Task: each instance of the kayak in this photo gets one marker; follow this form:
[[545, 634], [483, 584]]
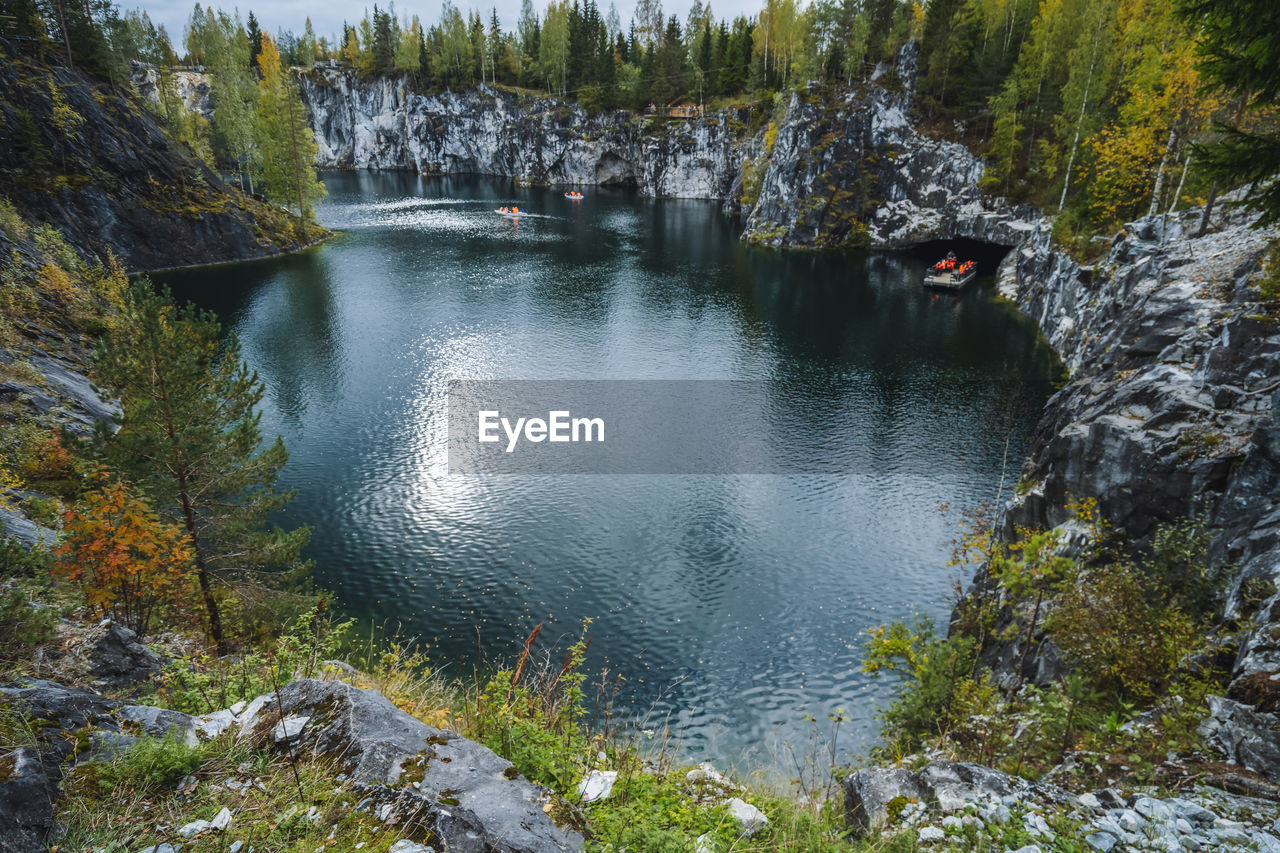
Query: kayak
[[507, 214], [573, 197]]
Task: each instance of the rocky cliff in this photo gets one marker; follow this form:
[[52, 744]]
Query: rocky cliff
[[836, 170], [381, 123], [90, 161], [853, 170], [1171, 410]]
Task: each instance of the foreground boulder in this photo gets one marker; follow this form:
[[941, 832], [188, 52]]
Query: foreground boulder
[[26, 803], [452, 792], [874, 797], [456, 791], [59, 711], [1245, 735], [117, 658]]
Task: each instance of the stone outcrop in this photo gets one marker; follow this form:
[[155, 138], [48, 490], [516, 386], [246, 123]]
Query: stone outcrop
[[117, 658], [1170, 410], [874, 797], [43, 370], [454, 789], [192, 87], [853, 170], [26, 803], [380, 123], [424, 780], [108, 177], [1172, 379], [961, 803]]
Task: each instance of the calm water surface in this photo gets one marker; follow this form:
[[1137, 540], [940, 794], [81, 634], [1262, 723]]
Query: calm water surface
[[730, 606]]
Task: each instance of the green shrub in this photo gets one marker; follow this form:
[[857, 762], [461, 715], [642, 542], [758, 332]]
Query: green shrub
[[49, 240], [1178, 568], [17, 561], [532, 715], [206, 683], [1269, 278], [42, 510], [151, 765], [941, 688], [24, 626], [1108, 627], [11, 221], [753, 172]]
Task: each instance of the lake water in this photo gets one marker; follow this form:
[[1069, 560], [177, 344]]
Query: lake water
[[730, 605]]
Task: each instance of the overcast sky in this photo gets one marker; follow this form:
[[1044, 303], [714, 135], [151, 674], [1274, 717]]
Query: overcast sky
[[327, 16]]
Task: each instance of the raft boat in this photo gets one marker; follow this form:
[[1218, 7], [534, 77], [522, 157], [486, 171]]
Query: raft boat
[[951, 274]]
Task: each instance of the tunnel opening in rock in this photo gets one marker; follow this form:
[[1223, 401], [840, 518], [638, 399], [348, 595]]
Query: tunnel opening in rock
[[988, 255], [615, 171]]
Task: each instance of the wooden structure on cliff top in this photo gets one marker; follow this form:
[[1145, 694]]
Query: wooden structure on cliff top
[[684, 108]]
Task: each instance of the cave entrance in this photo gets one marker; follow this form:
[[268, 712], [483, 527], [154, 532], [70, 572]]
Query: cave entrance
[[988, 255], [615, 171]]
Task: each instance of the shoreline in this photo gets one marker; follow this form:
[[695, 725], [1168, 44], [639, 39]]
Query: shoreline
[[330, 235]]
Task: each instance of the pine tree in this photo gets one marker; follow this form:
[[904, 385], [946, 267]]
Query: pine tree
[[528, 31], [234, 95], [255, 40], [425, 70], [190, 439], [384, 57], [350, 47], [475, 35], [285, 138], [1239, 53]]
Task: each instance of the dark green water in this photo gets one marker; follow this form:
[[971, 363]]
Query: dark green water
[[731, 605]]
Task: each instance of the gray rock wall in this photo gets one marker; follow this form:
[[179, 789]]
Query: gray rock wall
[[854, 170], [843, 171], [1171, 409], [380, 123]]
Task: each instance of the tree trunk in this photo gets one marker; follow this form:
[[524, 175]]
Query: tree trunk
[[1177, 194], [297, 163], [1208, 209], [1164, 161], [202, 571], [62, 25], [1084, 103], [189, 519]]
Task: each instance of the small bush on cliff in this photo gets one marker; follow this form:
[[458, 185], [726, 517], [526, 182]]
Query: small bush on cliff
[[1178, 568], [24, 626], [1268, 282], [151, 765], [1128, 626], [1107, 626], [131, 565], [11, 222], [752, 180], [770, 137], [942, 684]]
